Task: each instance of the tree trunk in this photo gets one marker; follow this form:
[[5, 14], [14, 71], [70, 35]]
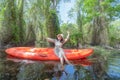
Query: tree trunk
[[96, 32], [80, 24], [9, 22], [20, 21], [100, 32], [80, 40], [52, 24]]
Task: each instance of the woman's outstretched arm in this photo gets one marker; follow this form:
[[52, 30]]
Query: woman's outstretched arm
[[50, 40], [66, 39]]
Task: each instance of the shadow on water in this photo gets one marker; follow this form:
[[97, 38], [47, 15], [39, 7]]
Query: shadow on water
[[96, 67]]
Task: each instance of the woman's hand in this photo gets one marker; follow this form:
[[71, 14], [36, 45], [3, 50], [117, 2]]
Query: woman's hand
[[66, 39]]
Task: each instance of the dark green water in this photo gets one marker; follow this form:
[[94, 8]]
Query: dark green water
[[94, 68]]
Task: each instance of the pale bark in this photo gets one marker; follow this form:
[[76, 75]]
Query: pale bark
[[100, 32]]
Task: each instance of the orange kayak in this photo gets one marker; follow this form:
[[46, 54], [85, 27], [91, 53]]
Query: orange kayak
[[82, 62], [47, 53]]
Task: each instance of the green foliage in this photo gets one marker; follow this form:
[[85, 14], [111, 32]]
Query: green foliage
[[39, 18], [53, 23], [105, 53], [89, 9], [114, 32], [75, 35], [101, 51]]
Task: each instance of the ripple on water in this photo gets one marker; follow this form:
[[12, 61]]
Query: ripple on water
[[114, 68]]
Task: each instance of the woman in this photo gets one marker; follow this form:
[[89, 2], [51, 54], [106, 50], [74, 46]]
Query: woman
[[58, 46]]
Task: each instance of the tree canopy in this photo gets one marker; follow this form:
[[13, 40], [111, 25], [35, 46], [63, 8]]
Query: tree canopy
[[24, 21]]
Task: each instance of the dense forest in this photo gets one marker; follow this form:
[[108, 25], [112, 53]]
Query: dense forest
[[28, 22]]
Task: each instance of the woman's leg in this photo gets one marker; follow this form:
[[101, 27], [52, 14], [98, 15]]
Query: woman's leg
[[63, 56], [61, 60], [68, 62], [62, 63]]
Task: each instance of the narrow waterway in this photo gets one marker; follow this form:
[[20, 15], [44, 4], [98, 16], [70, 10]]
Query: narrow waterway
[[94, 68]]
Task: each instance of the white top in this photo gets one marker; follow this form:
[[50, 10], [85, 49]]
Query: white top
[[58, 50]]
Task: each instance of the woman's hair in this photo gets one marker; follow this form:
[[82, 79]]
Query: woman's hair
[[62, 39]]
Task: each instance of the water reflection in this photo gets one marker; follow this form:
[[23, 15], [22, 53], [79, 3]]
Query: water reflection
[[95, 68], [52, 69]]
